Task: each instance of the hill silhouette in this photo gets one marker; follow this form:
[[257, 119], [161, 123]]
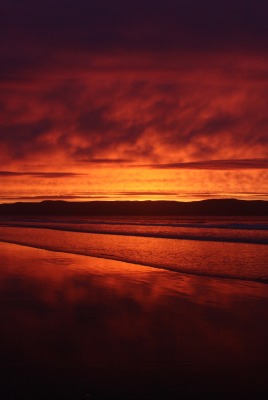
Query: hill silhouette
[[220, 207]]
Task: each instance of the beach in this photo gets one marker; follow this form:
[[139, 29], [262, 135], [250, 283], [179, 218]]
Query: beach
[[78, 327]]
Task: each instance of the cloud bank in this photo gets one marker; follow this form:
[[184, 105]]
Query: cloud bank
[[113, 84]]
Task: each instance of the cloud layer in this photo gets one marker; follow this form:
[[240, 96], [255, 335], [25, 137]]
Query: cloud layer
[[88, 85]]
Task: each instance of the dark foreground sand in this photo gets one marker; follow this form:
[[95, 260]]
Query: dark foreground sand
[[77, 327]]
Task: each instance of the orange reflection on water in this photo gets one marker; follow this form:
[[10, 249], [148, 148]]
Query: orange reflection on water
[[211, 258], [101, 324]]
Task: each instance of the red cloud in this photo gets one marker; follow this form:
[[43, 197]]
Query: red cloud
[[115, 84]]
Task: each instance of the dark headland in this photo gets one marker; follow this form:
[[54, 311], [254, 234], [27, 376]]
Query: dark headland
[[219, 207]]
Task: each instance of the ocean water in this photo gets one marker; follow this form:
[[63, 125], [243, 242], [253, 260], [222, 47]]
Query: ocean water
[[183, 313], [234, 248]]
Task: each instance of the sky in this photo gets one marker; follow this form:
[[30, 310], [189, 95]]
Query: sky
[[113, 99]]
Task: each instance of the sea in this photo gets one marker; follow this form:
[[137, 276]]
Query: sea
[[222, 247], [133, 307]]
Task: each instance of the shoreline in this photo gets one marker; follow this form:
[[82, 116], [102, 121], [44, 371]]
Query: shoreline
[[192, 257], [136, 264], [113, 261]]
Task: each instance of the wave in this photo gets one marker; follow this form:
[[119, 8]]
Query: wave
[[230, 232], [214, 259], [190, 222], [262, 280]]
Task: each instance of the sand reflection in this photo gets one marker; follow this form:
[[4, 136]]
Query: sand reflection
[[81, 325]]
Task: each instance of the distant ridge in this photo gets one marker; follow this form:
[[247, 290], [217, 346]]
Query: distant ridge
[[221, 207]]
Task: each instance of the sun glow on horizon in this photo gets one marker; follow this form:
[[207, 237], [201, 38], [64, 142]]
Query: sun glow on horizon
[[130, 183]]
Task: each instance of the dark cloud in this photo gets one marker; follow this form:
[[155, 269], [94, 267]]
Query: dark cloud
[[26, 136], [52, 197], [153, 121], [91, 82], [106, 161], [217, 164], [8, 174], [149, 193], [142, 25]]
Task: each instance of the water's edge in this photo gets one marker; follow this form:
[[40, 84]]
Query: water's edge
[[23, 241]]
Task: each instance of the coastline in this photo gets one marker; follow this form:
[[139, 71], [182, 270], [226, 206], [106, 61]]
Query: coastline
[[202, 258], [94, 327]]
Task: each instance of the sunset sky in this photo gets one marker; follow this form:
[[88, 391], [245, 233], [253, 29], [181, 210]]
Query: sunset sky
[[109, 99]]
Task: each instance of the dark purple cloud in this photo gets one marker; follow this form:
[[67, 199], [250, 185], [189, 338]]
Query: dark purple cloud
[[8, 174], [134, 120], [103, 25], [217, 164], [105, 161]]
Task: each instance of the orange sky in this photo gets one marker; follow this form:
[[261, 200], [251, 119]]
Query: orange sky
[[133, 104]]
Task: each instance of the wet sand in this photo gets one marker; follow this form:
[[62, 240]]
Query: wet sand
[[78, 327]]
